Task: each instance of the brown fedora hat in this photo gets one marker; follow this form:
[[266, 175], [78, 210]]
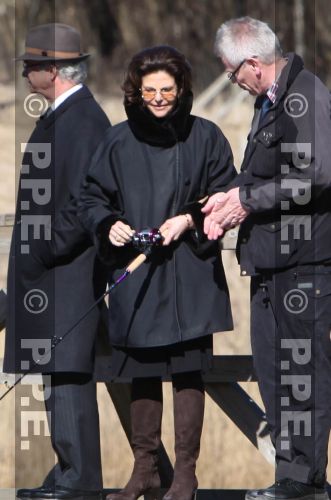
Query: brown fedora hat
[[52, 42]]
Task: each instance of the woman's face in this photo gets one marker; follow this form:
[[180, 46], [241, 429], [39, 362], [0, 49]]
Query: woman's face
[[159, 92]]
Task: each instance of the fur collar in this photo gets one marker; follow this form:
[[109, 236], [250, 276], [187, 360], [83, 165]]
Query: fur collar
[[164, 132]]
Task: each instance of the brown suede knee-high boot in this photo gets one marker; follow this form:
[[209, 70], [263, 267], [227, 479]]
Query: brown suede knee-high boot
[[189, 403], [146, 417]]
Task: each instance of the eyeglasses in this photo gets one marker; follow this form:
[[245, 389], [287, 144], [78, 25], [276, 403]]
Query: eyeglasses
[[167, 93], [232, 74]]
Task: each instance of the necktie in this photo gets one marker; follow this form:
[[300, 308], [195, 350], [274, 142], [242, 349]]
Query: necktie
[[266, 104], [47, 113]]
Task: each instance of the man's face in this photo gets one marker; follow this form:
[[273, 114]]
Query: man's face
[[40, 77], [247, 75]]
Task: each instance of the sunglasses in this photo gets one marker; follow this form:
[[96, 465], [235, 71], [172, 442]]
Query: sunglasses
[[34, 66], [167, 93], [37, 64]]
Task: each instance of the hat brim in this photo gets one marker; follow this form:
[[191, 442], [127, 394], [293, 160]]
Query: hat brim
[[33, 57]]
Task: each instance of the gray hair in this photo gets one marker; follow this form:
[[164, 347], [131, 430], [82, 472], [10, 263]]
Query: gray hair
[[245, 37], [73, 72]]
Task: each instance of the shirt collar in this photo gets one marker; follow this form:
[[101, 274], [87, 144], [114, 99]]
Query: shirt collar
[[272, 91], [59, 100]]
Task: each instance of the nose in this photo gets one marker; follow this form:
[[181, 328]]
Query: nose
[[158, 96]]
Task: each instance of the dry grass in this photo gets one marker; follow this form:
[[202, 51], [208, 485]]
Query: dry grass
[[227, 459]]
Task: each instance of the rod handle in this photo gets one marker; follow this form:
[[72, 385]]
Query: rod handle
[[136, 263]]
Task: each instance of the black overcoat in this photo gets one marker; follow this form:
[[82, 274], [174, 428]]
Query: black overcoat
[[53, 273], [181, 292]]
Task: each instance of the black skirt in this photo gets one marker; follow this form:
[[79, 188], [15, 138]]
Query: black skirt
[[192, 355]]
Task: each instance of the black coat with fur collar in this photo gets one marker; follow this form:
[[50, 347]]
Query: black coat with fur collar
[[145, 171]]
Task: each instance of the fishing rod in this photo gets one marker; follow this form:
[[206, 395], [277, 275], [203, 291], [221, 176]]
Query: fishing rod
[[144, 241]]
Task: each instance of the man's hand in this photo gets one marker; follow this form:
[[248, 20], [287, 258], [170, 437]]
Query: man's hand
[[223, 211]]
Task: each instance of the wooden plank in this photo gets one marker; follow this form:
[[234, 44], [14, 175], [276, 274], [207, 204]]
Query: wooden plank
[[201, 494], [221, 494], [226, 369], [245, 413], [4, 246], [3, 309], [229, 241], [9, 494], [7, 220], [234, 368]]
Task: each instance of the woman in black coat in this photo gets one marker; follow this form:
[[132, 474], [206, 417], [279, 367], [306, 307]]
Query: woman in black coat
[[150, 172]]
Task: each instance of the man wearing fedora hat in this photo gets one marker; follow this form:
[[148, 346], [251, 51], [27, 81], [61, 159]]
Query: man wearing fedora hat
[[53, 260]]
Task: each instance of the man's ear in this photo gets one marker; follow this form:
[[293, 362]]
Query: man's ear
[[53, 71], [255, 65]]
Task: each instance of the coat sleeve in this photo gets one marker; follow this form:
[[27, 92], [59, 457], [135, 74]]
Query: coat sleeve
[[100, 206], [220, 174]]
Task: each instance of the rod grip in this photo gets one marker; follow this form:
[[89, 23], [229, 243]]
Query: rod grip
[[136, 263]]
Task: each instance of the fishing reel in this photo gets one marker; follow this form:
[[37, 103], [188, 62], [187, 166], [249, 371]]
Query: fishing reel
[[146, 239]]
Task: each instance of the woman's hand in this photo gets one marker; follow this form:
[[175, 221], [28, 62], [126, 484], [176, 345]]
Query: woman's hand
[[173, 228], [120, 234]]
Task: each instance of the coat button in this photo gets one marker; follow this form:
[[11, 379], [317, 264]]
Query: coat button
[[243, 273], [272, 226], [318, 292], [244, 240]]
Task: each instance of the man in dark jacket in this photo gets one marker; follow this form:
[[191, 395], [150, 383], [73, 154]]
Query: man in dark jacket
[[282, 199], [54, 275]]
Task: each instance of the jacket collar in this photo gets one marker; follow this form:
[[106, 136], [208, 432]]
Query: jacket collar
[[288, 75], [164, 132], [47, 121], [286, 79]]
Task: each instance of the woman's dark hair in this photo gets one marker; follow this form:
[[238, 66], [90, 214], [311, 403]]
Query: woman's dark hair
[[150, 60]]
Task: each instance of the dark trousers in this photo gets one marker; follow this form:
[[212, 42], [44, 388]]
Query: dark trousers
[[74, 427], [291, 345]]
